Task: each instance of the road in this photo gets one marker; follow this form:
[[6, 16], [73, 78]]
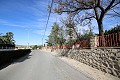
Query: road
[[40, 65]]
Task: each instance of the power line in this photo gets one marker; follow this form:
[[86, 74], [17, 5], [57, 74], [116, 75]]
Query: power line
[[47, 20]]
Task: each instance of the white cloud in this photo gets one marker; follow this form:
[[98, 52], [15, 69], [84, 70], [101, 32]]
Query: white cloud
[[41, 32], [5, 22]]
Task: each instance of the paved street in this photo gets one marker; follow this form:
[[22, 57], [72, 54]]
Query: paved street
[[41, 65]]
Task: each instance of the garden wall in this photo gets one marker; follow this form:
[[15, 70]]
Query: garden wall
[[103, 59], [8, 56]]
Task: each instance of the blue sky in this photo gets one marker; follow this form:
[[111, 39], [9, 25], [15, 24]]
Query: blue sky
[[21, 16]]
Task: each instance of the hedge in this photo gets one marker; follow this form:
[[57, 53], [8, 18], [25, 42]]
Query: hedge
[[8, 56]]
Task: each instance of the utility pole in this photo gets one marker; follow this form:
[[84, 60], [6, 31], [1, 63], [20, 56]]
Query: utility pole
[[28, 36], [47, 21]]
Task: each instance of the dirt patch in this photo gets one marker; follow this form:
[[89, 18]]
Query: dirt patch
[[94, 73]]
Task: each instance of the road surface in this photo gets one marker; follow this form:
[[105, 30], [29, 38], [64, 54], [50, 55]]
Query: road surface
[[41, 65]]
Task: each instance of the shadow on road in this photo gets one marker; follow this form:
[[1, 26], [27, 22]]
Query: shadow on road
[[4, 66], [16, 61], [22, 59]]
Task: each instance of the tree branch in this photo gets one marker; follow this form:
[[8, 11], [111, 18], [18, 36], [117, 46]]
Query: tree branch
[[109, 6], [96, 13], [77, 9], [115, 4]]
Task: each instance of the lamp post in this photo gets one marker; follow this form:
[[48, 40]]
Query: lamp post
[[28, 36]]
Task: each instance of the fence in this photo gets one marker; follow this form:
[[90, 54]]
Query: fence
[[110, 40], [78, 44], [7, 46], [83, 44]]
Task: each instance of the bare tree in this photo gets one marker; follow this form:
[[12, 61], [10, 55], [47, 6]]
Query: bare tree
[[92, 9], [70, 26]]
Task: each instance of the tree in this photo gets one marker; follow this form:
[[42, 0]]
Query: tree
[[116, 29], [37, 47], [1, 41], [53, 37], [56, 36], [61, 36], [92, 9], [86, 33], [7, 38], [71, 26]]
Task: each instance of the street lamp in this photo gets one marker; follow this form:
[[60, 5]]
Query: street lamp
[[28, 36]]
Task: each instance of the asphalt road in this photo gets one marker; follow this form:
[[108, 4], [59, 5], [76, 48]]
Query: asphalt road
[[41, 65]]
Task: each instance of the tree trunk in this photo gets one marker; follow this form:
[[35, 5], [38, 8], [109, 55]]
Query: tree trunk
[[76, 33], [100, 27], [101, 33]]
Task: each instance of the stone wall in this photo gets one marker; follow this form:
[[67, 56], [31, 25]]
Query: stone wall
[[62, 52], [106, 60]]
